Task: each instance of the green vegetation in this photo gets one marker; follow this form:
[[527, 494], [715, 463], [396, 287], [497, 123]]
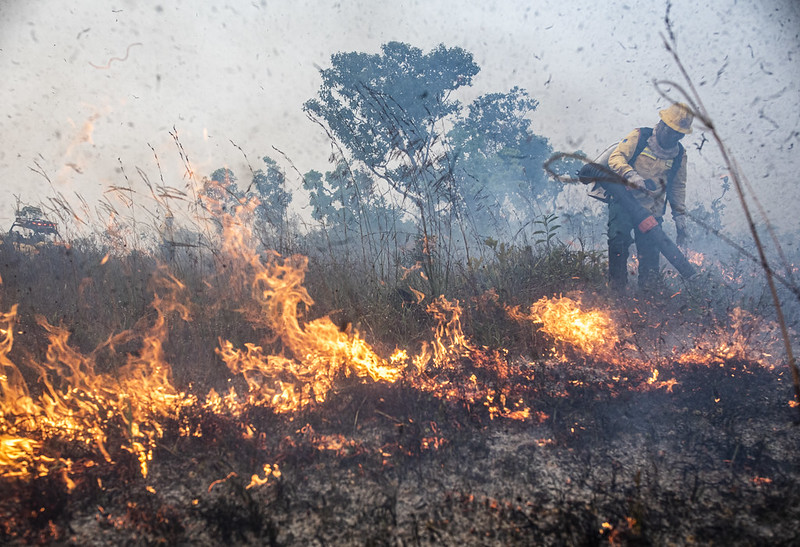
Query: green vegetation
[[96, 292]]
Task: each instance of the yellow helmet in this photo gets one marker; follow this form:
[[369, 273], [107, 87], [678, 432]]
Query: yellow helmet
[[679, 117]]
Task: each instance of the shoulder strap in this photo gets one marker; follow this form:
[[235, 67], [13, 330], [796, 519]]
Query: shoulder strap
[[641, 144], [676, 164]]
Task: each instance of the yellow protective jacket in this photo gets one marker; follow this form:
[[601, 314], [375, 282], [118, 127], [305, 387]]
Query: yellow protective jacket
[[650, 166]]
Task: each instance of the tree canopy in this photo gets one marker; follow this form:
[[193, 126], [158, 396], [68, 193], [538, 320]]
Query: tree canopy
[[498, 159], [395, 113], [390, 104]]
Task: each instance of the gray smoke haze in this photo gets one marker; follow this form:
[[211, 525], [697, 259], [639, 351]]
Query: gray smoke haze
[[89, 86]]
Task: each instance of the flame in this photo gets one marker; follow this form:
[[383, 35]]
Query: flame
[[17, 455], [449, 341], [592, 333], [269, 471], [315, 352], [318, 350], [734, 341], [447, 366], [17, 409], [80, 404]]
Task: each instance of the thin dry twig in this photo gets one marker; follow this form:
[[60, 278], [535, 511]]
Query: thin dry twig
[[700, 112]]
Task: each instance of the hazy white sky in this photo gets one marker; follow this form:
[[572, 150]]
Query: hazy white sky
[[89, 85]]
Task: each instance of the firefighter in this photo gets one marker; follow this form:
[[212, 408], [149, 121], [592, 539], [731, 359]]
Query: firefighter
[[655, 172]]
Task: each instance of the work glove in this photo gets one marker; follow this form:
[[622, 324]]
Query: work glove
[[635, 180], [682, 235]]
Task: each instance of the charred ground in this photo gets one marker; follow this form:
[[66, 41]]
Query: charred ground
[[712, 462]]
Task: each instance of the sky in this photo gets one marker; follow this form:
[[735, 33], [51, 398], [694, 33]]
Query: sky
[[92, 89]]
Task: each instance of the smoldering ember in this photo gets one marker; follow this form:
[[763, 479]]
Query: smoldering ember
[[422, 360]]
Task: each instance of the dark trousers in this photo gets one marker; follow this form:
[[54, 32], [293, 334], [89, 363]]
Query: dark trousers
[[620, 227]]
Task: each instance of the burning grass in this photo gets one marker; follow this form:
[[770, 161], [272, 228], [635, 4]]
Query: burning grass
[[229, 412]]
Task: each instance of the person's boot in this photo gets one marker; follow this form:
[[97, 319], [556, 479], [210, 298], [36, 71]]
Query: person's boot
[[650, 279], [617, 270]]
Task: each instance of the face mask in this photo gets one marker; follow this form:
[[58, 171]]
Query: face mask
[[666, 136]]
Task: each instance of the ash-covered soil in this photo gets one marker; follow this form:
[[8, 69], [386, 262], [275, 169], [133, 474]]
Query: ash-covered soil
[[715, 461]]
